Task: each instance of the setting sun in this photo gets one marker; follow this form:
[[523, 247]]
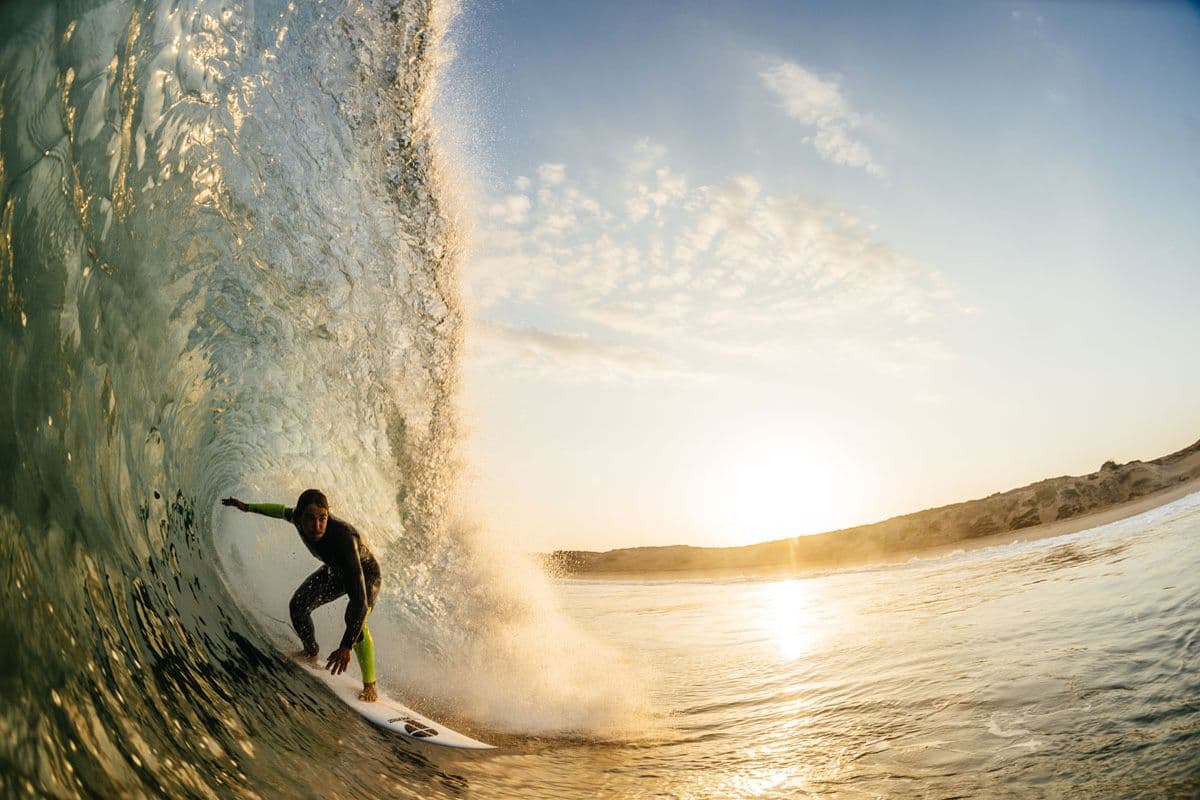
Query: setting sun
[[782, 492]]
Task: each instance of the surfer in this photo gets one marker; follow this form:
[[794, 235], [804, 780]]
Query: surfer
[[349, 568]]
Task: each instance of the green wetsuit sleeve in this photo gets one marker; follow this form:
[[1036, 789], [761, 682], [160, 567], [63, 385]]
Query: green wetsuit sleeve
[[276, 510]]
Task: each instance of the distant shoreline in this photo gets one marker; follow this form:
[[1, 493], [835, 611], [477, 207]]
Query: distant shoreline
[[1064, 527], [1046, 509]]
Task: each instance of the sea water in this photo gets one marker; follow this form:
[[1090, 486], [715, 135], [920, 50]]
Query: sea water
[[1062, 667], [1065, 667], [228, 258]]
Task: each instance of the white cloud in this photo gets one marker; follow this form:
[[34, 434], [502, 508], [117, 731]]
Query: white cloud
[[805, 96], [574, 356], [650, 200], [512, 209], [819, 103], [728, 269], [646, 156], [552, 174], [834, 145]]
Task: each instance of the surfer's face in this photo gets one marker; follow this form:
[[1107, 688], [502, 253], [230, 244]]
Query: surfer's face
[[313, 520]]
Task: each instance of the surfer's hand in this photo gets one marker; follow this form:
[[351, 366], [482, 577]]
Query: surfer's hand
[[238, 504], [338, 660]]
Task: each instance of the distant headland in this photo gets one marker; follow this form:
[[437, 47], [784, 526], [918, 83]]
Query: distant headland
[[1050, 507]]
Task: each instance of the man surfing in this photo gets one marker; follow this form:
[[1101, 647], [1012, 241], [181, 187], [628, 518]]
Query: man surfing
[[348, 568]]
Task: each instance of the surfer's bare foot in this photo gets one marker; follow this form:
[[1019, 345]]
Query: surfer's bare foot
[[367, 695], [300, 655]]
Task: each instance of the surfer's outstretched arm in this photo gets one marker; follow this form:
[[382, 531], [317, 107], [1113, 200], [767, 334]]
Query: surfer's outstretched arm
[[275, 510]]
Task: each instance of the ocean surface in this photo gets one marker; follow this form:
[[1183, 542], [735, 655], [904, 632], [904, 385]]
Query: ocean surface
[[229, 245]]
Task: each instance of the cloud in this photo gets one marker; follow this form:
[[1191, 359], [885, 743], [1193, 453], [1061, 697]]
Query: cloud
[[576, 355], [512, 209], [651, 184], [834, 145], [645, 157], [649, 200], [1036, 22], [552, 174], [720, 271], [805, 96], [819, 103]]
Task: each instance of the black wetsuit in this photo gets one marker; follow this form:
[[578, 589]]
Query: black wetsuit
[[348, 568]]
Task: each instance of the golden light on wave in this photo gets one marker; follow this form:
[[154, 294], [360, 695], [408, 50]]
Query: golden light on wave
[[782, 492], [792, 617]]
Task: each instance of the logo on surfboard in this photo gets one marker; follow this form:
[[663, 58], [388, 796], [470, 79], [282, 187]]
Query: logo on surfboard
[[414, 728]]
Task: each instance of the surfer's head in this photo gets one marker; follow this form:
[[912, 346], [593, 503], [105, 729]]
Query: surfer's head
[[312, 513]]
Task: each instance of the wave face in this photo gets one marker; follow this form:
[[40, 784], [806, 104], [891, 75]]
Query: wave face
[[226, 265]]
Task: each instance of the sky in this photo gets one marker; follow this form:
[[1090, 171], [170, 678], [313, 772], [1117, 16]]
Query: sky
[[741, 271]]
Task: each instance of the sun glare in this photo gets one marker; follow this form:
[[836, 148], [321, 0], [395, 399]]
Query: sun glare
[[782, 492], [791, 617]]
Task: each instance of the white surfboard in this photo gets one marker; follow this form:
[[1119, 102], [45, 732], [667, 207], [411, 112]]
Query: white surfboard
[[395, 716]]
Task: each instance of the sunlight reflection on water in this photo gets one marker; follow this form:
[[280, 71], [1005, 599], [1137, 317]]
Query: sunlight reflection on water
[[1004, 672], [793, 616]]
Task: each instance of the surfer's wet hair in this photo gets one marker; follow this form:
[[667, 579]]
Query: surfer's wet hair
[[311, 497]]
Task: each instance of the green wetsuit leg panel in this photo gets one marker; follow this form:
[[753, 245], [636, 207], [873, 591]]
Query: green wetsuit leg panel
[[364, 651], [364, 646]]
